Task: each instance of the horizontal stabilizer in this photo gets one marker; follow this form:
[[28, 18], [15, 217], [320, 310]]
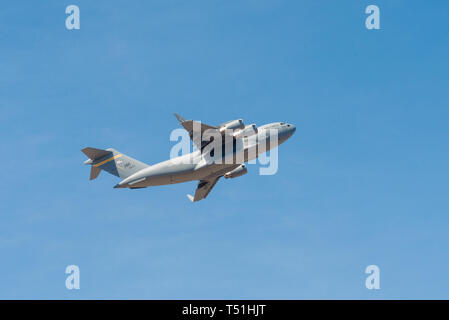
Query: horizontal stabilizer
[[94, 172], [93, 153]]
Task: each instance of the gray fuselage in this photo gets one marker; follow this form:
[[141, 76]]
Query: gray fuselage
[[199, 165]]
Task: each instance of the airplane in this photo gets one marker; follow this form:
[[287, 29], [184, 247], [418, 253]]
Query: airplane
[[199, 165]]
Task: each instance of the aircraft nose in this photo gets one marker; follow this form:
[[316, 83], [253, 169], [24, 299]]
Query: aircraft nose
[[293, 128]]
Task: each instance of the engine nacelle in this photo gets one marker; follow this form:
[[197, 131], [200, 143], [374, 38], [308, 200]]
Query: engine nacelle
[[233, 125], [249, 130], [237, 172]]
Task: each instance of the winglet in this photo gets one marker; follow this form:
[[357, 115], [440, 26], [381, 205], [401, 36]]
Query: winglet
[[190, 197], [180, 119]]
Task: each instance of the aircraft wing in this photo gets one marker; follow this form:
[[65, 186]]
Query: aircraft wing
[[189, 125], [203, 189]]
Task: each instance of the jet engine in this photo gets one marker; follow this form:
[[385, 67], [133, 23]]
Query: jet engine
[[232, 125], [249, 130], [237, 172]]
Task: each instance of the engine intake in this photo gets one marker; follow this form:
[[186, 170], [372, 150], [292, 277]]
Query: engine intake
[[247, 131], [237, 172], [233, 125]]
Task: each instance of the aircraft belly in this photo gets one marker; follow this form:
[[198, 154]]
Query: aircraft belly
[[216, 170], [159, 180], [172, 174], [204, 171]]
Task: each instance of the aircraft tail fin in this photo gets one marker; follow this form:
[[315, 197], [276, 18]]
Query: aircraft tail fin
[[111, 161]]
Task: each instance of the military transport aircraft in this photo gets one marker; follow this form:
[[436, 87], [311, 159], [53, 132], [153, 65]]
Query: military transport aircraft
[[213, 158]]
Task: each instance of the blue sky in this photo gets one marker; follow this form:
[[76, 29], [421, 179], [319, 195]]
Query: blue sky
[[363, 180]]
